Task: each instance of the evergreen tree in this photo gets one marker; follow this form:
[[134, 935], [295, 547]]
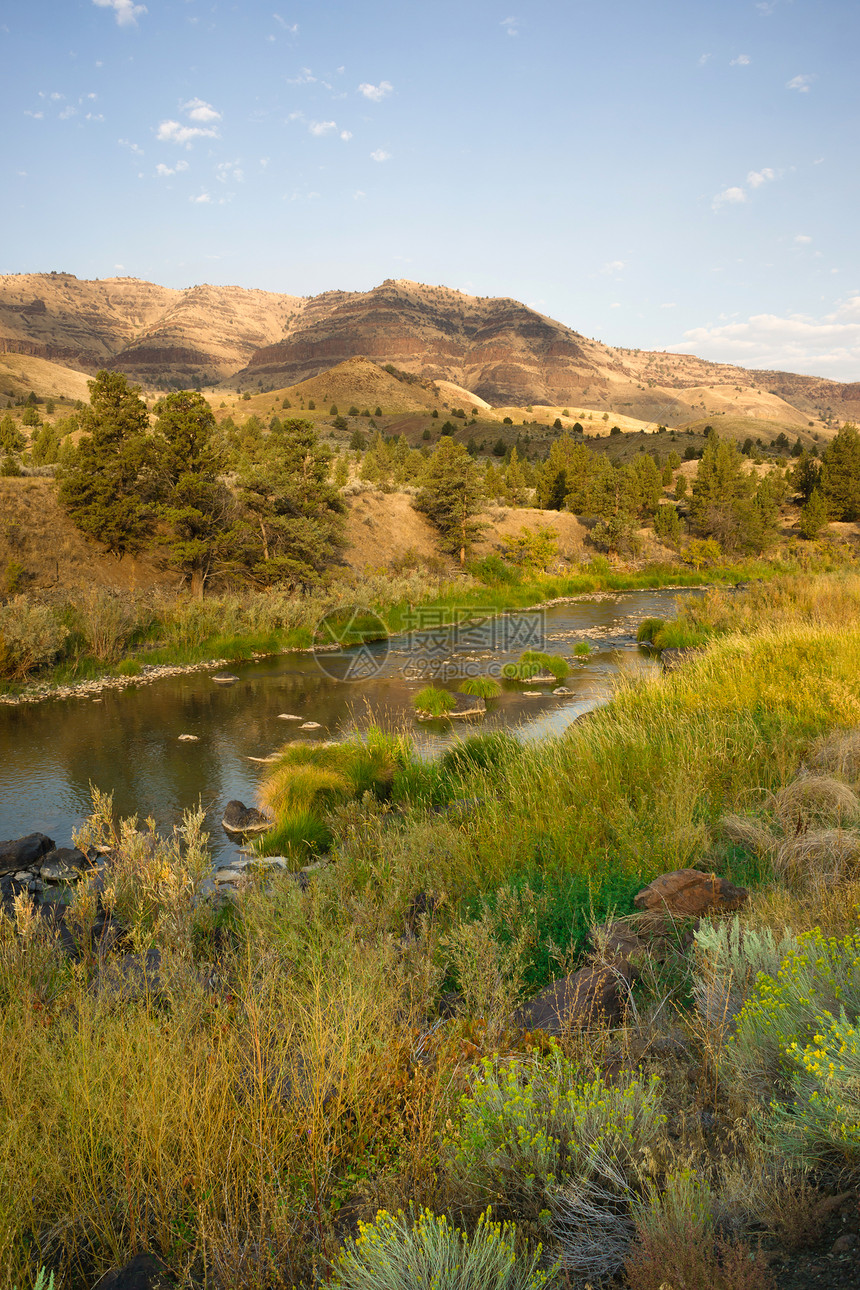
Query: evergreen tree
[[11, 438], [813, 517], [292, 527], [450, 496], [105, 489], [804, 476], [667, 525], [196, 505], [840, 475]]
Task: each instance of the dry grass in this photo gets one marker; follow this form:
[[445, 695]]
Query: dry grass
[[819, 857], [814, 800], [839, 754]]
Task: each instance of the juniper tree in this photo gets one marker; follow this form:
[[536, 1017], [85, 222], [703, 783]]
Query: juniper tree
[[450, 497], [105, 488], [840, 475], [191, 498]]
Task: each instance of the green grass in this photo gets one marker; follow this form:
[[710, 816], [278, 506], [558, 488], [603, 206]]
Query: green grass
[[434, 701]]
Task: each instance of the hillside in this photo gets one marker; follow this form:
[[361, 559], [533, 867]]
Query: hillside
[[497, 349]]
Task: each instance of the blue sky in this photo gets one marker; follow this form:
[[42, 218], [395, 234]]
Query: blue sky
[[679, 174]]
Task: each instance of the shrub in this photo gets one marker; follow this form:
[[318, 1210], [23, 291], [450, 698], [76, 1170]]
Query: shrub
[[729, 958], [648, 628], [432, 701], [527, 1125], [819, 979], [822, 1122], [482, 687], [105, 620], [479, 752], [397, 1251], [532, 662], [31, 637]]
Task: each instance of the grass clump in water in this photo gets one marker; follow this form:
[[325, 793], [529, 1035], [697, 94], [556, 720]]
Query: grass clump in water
[[433, 701]]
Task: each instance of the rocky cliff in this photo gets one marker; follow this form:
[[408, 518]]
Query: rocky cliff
[[497, 348]]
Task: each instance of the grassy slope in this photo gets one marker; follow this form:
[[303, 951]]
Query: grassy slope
[[213, 1124]]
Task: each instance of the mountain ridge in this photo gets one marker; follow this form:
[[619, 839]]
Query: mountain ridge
[[496, 347]]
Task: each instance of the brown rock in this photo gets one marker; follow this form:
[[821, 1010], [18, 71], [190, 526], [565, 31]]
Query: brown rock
[[687, 893], [616, 942], [844, 1243], [593, 995]]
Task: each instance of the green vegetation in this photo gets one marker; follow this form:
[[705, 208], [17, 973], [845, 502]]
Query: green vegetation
[[293, 1066], [433, 701]]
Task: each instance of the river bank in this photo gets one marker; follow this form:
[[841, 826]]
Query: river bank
[[100, 644], [233, 1096]]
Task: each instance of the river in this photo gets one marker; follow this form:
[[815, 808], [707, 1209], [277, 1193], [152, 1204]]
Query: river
[[128, 741]]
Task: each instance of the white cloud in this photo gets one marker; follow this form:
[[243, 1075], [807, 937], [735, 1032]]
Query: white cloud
[[346, 135], [613, 266], [163, 171], [359, 194], [730, 196], [742, 60], [202, 199], [376, 93], [797, 342], [227, 171], [322, 127], [800, 83], [305, 77], [616, 304], [174, 132], [803, 239], [379, 154], [670, 304], [291, 27], [94, 116], [132, 147], [67, 112], [120, 268], [125, 11], [756, 178], [704, 58], [511, 26], [201, 111]]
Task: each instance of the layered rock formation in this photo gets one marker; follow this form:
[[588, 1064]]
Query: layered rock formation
[[499, 349]]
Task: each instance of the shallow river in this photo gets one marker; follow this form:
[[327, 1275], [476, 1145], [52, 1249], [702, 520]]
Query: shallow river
[[128, 742]]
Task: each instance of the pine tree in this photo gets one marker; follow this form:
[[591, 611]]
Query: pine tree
[[450, 496], [840, 475], [105, 489], [196, 505], [813, 517], [292, 527]]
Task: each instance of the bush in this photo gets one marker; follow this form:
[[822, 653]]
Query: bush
[[31, 637], [821, 1124], [532, 662], [396, 1252], [819, 980], [525, 1126], [432, 701], [648, 628], [479, 752], [482, 687]]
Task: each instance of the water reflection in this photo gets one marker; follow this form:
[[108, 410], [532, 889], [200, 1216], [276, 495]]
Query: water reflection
[[129, 743]]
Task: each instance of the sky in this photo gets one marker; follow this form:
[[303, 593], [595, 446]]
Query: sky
[[674, 175]]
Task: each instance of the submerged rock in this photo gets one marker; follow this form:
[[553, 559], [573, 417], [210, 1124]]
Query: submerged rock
[[188, 739], [225, 678], [24, 853], [242, 819], [63, 865]]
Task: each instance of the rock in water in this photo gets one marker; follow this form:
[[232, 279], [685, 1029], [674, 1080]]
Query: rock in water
[[24, 853], [63, 865], [188, 739], [310, 725], [239, 818], [288, 716], [225, 678], [687, 893]]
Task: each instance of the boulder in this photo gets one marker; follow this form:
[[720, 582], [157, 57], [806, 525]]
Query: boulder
[[242, 819], [143, 1272], [64, 864], [594, 995], [225, 678], [616, 942], [24, 853], [688, 893], [467, 705]]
